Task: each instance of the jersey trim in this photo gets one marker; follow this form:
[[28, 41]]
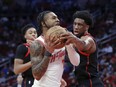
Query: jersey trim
[[28, 52], [87, 64]]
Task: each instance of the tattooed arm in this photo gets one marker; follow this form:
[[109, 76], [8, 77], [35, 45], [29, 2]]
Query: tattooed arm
[[39, 60]]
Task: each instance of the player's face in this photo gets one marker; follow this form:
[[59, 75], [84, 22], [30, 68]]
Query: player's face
[[31, 34], [79, 27], [51, 20]]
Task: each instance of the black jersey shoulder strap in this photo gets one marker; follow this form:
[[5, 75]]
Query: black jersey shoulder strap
[[28, 52]]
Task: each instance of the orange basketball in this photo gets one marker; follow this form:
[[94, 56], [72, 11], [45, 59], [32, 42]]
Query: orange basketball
[[55, 32]]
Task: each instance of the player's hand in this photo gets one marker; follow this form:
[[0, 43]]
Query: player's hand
[[19, 79], [51, 44], [63, 83], [29, 41], [69, 36]]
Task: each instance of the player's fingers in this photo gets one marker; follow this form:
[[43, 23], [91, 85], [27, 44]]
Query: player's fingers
[[52, 39], [64, 35], [57, 41], [56, 45], [67, 42], [29, 41], [63, 38]]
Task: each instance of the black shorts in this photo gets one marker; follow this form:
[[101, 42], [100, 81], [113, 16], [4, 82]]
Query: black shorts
[[94, 82], [27, 82]]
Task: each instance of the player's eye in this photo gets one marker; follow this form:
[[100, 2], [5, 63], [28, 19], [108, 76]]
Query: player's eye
[[35, 32]]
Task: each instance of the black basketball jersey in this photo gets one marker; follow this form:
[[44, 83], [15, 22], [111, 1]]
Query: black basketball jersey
[[23, 52], [87, 67]]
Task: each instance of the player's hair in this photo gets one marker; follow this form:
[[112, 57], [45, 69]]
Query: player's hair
[[40, 19], [85, 15], [26, 27]]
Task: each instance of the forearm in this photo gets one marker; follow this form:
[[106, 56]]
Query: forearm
[[40, 67], [20, 68], [74, 57], [79, 44], [39, 59]]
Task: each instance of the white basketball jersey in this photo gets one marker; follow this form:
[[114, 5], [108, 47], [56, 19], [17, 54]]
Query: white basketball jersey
[[54, 72]]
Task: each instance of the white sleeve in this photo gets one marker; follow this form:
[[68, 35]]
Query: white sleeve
[[74, 57]]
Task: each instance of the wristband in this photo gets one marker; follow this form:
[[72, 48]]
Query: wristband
[[47, 54]]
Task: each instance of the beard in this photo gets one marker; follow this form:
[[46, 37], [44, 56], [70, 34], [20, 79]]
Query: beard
[[79, 35], [49, 26]]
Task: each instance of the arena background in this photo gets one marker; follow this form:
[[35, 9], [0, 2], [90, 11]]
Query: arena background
[[16, 13]]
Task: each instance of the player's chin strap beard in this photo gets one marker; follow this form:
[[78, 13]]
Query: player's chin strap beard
[[80, 35], [46, 24]]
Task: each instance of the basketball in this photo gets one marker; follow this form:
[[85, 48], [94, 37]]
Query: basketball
[[55, 32]]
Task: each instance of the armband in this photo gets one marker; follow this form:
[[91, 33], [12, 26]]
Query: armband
[[47, 53]]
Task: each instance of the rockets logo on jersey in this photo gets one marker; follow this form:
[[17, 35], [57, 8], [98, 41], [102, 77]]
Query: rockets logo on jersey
[[59, 55]]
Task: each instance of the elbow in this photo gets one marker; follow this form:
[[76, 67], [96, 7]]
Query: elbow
[[38, 76], [38, 73], [15, 71], [77, 63]]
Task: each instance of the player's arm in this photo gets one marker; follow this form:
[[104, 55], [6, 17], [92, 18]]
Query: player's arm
[[39, 58], [63, 83], [82, 44], [85, 44], [19, 67], [74, 57]]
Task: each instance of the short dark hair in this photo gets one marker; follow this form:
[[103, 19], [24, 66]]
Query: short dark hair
[[85, 15], [40, 18], [26, 27]]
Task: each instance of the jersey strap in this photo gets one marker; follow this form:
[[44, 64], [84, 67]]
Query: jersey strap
[[27, 45]]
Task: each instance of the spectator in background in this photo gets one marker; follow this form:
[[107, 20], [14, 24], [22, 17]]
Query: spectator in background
[[108, 49]]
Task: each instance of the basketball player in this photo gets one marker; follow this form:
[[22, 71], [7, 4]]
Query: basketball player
[[47, 62], [22, 63], [86, 73]]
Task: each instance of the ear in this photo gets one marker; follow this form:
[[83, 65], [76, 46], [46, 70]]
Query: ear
[[42, 23], [87, 27], [25, 36]]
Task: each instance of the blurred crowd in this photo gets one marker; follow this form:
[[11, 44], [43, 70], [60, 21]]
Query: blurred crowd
[[16, 13]]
